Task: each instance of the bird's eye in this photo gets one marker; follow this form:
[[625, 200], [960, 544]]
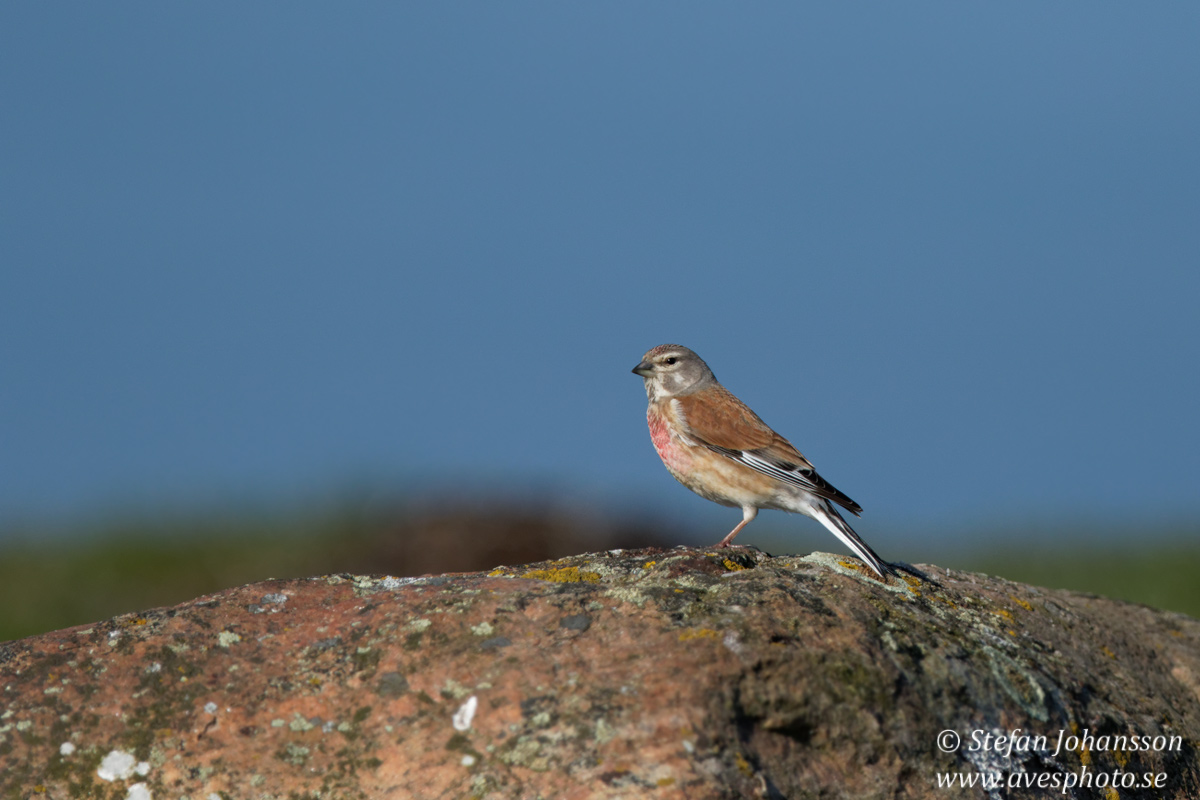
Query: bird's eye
[[670, 361]]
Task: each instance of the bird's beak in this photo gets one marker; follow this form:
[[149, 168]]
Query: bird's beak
[[644, 369]]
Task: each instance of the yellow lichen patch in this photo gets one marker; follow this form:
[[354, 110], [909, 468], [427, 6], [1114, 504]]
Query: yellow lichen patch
[[496, 573], [1104, 649], [1021, 603], [563, 575], [1111, 794], [731, 566], [649, 564], [743, 765], [1003, 612], [1121, 757], [1011, 632], [698, 633], [664, 782], [129, 623], [913, 582], [856, 566]]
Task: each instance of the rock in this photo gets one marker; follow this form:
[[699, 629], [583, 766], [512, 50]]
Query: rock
[[678, 673]]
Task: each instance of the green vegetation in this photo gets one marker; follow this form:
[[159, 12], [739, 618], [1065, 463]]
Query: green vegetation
[[85, 576], [1159, 575]]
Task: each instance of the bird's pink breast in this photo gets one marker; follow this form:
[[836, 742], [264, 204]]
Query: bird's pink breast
[[675, 457]]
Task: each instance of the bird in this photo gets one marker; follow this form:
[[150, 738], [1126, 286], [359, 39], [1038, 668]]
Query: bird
[[713, 444]]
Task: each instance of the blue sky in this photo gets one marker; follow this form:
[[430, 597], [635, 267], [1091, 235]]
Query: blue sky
[[263, 251]]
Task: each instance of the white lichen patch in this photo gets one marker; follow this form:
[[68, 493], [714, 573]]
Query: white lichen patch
[[210, 707], [468, 760], [226, 638], [604, 732], [418, 625], [299, 723], [524, 753], [66, 748], [454, 689], [465, 714], [482, 629], [627, 594], [275, 598], [116, 766], [139, 791]]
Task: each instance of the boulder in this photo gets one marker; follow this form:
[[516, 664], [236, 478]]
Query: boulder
[[681, 673]]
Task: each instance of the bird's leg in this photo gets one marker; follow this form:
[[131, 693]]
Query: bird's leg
[[748, 513]]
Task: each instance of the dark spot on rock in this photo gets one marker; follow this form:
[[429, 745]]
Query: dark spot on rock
[[325, 644], [532, 706], [248, 730], [495, 642], [367, 660], [391, 684], [576, 622]]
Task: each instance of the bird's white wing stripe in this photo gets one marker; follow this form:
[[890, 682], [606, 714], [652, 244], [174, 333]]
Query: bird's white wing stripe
[[774, 470]]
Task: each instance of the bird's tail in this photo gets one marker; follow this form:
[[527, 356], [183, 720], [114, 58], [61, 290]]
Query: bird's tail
[[828, 516]]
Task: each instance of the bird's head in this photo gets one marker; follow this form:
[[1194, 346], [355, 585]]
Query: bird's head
[[671, 370]]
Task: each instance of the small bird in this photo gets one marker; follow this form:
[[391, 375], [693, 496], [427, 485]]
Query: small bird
[[713, 444]]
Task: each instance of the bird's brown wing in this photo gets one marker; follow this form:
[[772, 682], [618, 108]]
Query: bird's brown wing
[[722, 423]]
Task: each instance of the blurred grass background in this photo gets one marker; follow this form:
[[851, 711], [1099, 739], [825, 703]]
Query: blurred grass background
[[61, 576], [51, 579]]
